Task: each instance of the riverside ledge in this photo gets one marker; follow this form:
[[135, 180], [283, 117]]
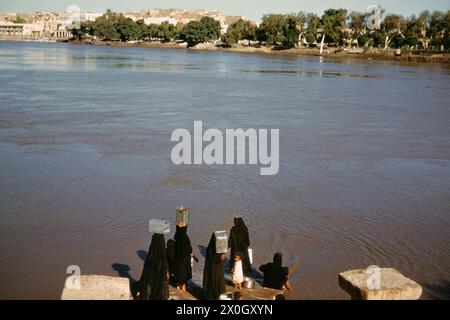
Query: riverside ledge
[[98, 287], [393, 285]]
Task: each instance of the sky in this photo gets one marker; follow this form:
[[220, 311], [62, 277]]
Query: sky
[[250, 9]]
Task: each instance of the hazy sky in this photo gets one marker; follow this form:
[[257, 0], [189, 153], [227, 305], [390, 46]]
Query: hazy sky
[[251, 9]]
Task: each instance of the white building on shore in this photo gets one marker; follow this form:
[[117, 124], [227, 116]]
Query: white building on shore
[[57, 25]]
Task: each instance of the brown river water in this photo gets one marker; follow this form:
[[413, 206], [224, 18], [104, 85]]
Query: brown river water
[[85, 162]]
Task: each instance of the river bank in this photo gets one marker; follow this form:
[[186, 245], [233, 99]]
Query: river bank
[[370, 54]]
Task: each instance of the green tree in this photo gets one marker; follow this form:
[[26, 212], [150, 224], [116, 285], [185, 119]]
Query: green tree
[[439, 29], [334, 22], [19, 19], [141, 29], [230, 37], [194, 32], [286, 30], [313, 24], [178, 29], [377, 38], [394, 26], [424, 24], [240, 30], [272, 29], [415, 30], [302, 23], [166, 31], [358, 27], [152, 31], [104, 26], [291, 31], [127, 29], [212, 28], [82, 32]]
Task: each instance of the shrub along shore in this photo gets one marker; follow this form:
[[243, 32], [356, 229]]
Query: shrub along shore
[[422, 38]]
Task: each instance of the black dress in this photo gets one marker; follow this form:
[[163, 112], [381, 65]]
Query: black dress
[[153, 284], [239, 241], [171, 262], [183, 251], [275, 275], [214, 272]]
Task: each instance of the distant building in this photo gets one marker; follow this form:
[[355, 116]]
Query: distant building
[[21, 30], [10, 29], [159, 20], [174, 16], [33, 30], [57, 25], [90, 16]]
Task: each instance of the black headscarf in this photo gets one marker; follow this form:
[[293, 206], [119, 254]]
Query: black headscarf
[[239, 241], [275, 275], [183, 250], [277, 259], [153, 284], [214, 272]]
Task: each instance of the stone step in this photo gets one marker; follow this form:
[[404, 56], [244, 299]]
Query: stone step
[[97, 287], [378, 284]]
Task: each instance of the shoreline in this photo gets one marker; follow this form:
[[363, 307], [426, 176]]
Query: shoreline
[[371, 54], [333, 53]]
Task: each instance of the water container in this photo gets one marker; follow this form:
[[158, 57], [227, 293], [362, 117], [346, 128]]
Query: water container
[[158, 226], [182, 216], [226, 296], [221, 241]]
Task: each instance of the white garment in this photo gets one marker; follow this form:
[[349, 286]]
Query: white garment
[[238, 274]]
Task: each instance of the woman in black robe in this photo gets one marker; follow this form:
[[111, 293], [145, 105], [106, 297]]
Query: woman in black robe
[[239, 241], [171, 262], [214, 271], [183, 254], [275, 275], [154, 281]]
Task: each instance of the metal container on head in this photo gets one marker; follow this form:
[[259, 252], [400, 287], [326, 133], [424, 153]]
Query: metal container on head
[[221, 241], [158, 226], [182, 216]]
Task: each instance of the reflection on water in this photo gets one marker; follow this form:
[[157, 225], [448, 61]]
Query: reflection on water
[[319, 73], [85, 162]]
